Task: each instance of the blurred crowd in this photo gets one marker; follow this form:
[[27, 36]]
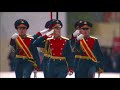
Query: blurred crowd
[[112, 60]]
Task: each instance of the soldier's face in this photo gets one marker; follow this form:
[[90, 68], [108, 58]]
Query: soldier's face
[[57, 29], [22, 29], [85, 31]]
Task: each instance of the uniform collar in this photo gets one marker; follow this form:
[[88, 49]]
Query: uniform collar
[[57, 37], [86, 37], [23, 36]]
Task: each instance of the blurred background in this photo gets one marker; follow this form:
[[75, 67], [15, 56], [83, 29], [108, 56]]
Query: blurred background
[[106, 27]]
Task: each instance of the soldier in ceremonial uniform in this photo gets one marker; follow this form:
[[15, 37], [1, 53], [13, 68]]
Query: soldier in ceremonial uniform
[[27, 57], [88, 55], [44, 50], [74, 36], [58, 49]]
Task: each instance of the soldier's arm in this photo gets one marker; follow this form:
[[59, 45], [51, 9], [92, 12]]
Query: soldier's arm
[[77, 48], [68, 52], [35, 54], [13, 43], [39, 42], [37, 35], [72, 41], [40, 33], [98, 53]]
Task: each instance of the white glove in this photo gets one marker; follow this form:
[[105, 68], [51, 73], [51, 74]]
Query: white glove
[[80, 37], [50, 32], [14, 36], [76, 33], [43, 31]]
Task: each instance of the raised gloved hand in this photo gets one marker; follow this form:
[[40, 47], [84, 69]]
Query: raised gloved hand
[[80, 37], [50, 32], [14, 36], [70, 71], [44, 31], [76, 33]]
